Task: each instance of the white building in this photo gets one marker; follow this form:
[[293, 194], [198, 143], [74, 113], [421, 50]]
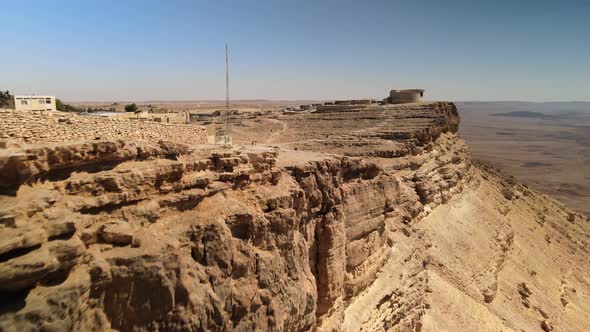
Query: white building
[[33, 103]]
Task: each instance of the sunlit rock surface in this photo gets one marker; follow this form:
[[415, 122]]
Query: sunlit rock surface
[[373, 219]]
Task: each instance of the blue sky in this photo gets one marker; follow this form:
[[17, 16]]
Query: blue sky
[[174, 50]]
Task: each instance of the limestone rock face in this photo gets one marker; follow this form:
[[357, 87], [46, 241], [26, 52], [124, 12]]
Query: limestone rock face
[[117, 233], [137, 236]]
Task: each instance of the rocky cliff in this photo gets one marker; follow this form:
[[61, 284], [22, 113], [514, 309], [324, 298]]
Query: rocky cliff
[[378, 220]]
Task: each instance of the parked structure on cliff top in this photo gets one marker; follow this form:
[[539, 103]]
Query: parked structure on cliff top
[[404, 96], [32, 103]]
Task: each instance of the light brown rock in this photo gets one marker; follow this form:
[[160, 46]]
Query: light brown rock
[[379, 224], [117, 233]]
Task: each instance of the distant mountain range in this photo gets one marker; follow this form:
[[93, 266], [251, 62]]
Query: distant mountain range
[[524, 114]]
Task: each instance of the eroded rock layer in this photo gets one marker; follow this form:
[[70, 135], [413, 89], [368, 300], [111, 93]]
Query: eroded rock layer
[[161, 236]]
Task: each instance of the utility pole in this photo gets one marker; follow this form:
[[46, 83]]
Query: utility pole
[[226, 95]]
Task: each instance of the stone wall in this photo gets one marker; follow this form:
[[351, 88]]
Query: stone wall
[[53, 127], [175, 117]]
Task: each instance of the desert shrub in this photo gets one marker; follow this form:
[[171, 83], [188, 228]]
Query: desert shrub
[[61, 106], [131, 108], [5, 98]]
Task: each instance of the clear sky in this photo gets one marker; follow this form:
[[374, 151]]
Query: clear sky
[[323, 49]]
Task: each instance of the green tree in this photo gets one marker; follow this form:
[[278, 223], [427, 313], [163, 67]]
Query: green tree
[[59, 105], [131, 108], [4, 98]]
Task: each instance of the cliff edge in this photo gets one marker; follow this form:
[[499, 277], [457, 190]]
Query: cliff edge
[[373, 219]]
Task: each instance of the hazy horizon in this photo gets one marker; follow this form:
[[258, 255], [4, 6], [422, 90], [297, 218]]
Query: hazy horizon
[[310, 100], [104, 51]]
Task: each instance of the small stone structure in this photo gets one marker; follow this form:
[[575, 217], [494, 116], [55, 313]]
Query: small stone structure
[[217, 135], [405, 96], [53, 127], [163, 117]]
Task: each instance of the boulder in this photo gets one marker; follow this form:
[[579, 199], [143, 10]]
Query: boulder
[[118, 233]]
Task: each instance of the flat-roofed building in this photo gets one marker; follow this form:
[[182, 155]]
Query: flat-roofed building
[[33, 103]]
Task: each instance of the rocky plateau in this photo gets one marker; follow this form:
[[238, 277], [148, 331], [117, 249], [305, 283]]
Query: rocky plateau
[[373, 219]]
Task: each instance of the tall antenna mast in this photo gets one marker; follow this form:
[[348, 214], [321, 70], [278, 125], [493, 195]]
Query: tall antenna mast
[[226, 93]]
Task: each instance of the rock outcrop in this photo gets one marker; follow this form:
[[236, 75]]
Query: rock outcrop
[[334, 232]]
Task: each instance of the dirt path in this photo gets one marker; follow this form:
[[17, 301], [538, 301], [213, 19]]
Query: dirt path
[[276, 134]]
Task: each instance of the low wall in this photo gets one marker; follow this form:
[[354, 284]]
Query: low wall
[[52, 127], [173, 117], [353, 102], [339, 108]]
